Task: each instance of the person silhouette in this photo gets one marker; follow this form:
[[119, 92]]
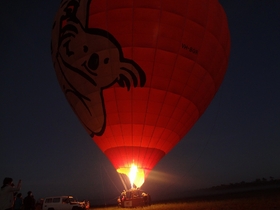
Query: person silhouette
[[18, 202], [7, 193], [29, 201]]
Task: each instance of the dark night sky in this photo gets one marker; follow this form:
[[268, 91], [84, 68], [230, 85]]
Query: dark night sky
[[43, 143]]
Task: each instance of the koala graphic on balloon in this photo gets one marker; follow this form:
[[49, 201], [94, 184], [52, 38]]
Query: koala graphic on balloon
[[87, 61]]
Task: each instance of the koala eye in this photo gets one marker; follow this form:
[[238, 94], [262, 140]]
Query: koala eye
[[93, 62], [106, 60], [85, 48], [69, 9]]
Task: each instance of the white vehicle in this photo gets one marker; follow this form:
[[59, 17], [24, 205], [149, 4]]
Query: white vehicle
[[62, 203]]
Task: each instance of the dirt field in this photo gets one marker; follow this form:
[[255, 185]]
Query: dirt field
[[249, 200]]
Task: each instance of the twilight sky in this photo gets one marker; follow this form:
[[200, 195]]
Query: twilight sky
[[43, 143]]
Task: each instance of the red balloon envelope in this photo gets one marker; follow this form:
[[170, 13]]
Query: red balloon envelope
[[139, 73]]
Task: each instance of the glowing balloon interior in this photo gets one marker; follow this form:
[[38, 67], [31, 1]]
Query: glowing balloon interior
[[139, 73]]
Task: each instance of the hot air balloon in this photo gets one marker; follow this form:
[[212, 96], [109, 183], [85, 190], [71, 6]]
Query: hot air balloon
[[139, 73]]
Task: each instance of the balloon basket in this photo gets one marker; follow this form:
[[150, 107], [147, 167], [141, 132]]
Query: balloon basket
[[134, 198]]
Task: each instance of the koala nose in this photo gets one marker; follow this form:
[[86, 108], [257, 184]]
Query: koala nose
[[93, 62]]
